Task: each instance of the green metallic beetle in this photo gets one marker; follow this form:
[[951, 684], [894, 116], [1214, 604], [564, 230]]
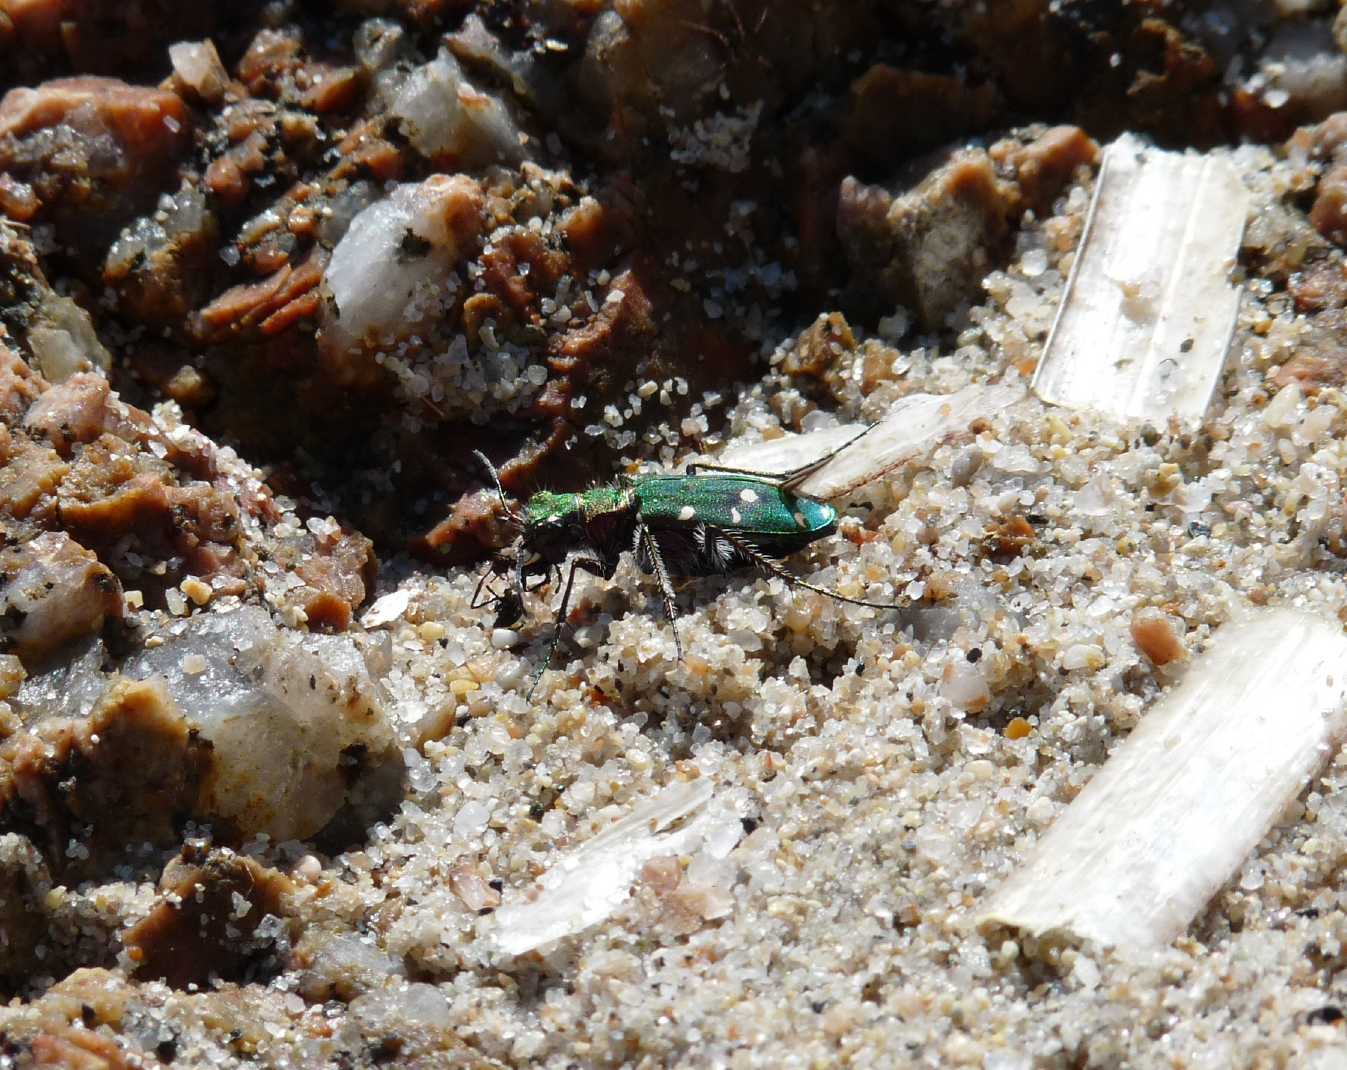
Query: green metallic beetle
[[688, 525]]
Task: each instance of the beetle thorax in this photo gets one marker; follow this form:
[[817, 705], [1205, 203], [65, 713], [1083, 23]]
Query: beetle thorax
[[598, 519]]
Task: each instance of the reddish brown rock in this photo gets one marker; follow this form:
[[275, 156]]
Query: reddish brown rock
[[76, 1048], [29, 476], [337, 576], [52, 591], [1157, 636], [19, 385], [521, 268], [134, 115], [161, 266], [624, 321], [1324, 139], [121, 37], [591, 231], [17, 199], [473, 526], [95, 151], [1321, 287], [1327, 142], [1312, 371], [819, 346], [107, 496], [1009, 538], [132, 506], [1329, 212], [271, 305], [77, 411], [1045, 165], [330, 89], [272, 57]]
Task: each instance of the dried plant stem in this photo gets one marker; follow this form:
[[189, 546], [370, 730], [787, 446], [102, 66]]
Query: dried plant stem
[[1183, 801]]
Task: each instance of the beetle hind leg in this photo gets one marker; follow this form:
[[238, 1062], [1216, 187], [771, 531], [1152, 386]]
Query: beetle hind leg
[[767, 564]]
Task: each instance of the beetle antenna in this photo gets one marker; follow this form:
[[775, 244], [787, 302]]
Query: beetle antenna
[[495, 478]]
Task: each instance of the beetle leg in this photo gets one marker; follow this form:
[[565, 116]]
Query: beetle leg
[[542, 581], [589, 564], [791, 477], [520, 577], [494, 567], [646, 542], [487, 570], [766, 563]]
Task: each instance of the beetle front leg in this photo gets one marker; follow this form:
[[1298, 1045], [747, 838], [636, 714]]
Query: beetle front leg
[[488, 570], [593, 565]]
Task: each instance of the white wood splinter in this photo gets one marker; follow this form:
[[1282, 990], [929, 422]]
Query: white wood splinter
[[913, 427], [592, 881], [1149, 309], [1181, 803]]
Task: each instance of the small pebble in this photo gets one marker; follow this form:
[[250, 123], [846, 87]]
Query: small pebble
[[198, 591], [432, 631], [1018, 728], [1154, 634]]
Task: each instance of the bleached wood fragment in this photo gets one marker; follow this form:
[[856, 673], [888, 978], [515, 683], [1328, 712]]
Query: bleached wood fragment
[[387, 609], [1186, 797], [1149, 309], [592, 881], [912, 427]]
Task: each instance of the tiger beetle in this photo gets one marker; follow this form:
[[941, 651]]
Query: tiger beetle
[[674, 525]]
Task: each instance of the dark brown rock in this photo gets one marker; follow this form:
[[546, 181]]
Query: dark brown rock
[[927, 249], [123, 776], [209, 924], [24, 883], [894, 112]]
